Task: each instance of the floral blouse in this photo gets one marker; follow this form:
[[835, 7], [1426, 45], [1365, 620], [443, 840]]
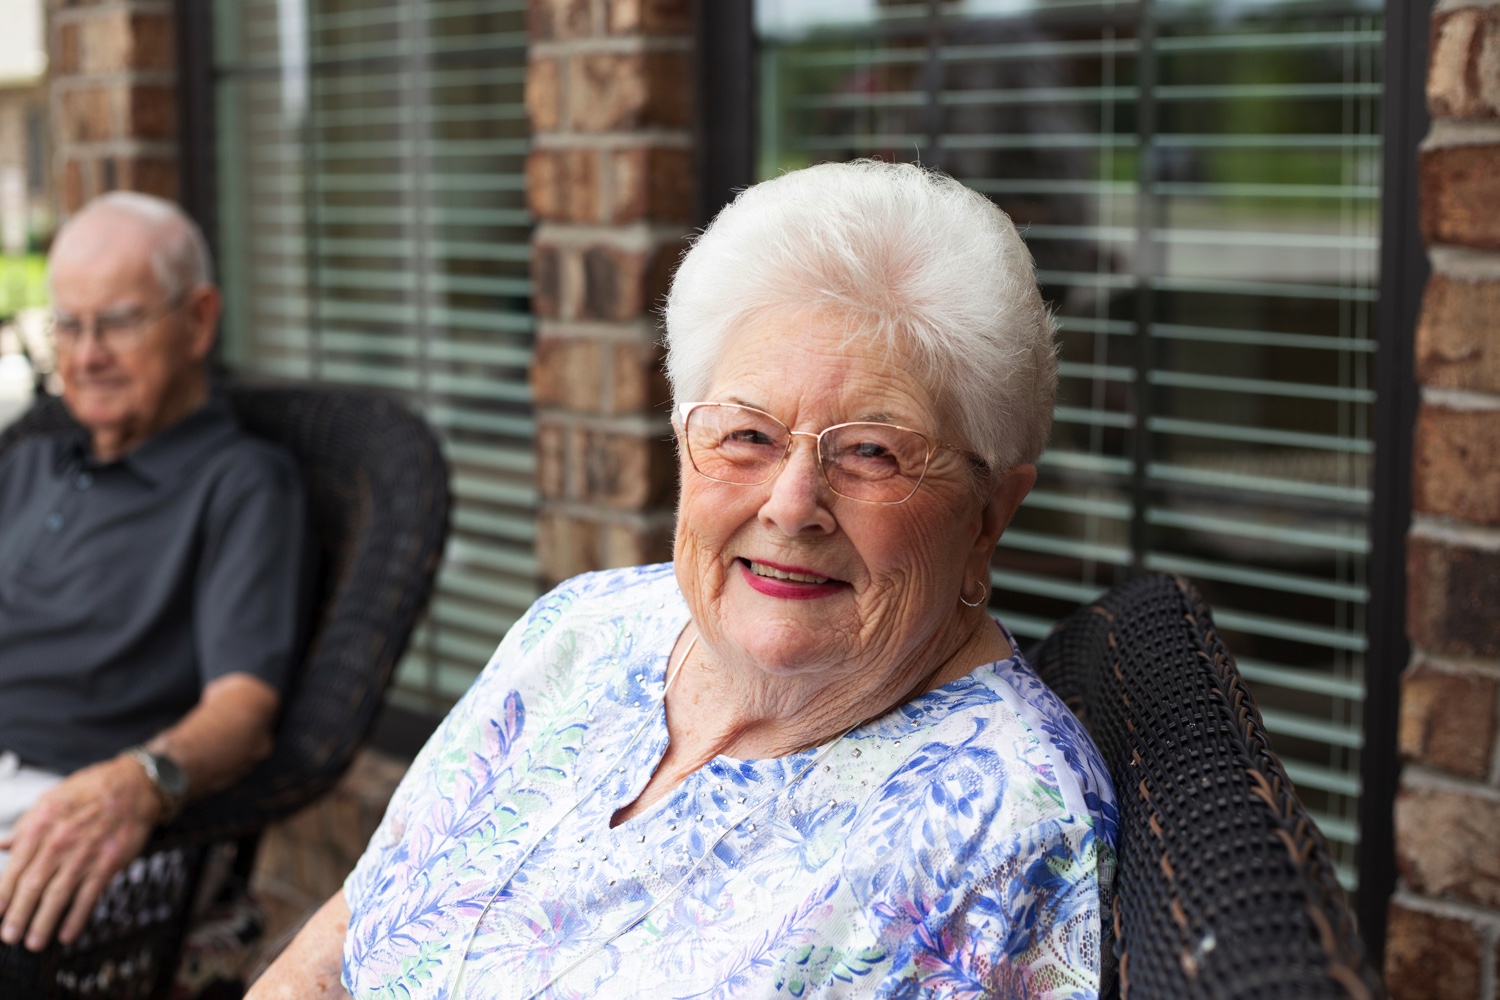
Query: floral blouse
[[959, 846]]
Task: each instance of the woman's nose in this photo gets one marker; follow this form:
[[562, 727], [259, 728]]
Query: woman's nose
[[799, 493]]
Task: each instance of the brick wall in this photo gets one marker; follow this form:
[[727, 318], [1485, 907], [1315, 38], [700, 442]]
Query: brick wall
[[609, 92], [114, 110], [1444, 935]]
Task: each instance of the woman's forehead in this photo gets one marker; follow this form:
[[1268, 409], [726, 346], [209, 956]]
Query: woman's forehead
[[811, 369]]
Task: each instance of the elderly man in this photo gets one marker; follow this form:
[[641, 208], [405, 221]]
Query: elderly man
[[149, 574]]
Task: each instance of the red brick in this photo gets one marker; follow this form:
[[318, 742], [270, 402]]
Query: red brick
[[1457, 464], [151, 113], [651, 184], [1428, 957], [67, 61], [543, 101], [1463, 66], [88, 114], [628, 471], [614, 91], [1448, 720], [104, 43], [552, 461], [614, 282], [152, 42], [1458, 346], [638, 382], [562, 185], [72, 187], [565, 546], [1460, 192], [631, 545], [560, 19], [650, 17], [1452, 593], [568, 372], [148, 174], [546, 280], [1448, 844]]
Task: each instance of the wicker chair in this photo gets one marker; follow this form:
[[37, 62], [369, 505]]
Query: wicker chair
[[378, 491], [1224, 887]]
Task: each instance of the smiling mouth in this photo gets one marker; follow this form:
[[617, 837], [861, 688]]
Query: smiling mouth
[[772, 573]]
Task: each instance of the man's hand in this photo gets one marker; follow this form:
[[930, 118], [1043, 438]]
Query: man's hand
[[67, 847]]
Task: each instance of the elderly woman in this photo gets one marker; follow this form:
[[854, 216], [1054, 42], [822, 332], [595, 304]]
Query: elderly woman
[[801, 760]]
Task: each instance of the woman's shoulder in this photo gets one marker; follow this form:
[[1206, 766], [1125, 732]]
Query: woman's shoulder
[[1002, 718], [584, 600], [1083, 780]]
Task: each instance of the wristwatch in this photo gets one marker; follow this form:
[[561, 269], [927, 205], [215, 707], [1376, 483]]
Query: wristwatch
[[170, 783]]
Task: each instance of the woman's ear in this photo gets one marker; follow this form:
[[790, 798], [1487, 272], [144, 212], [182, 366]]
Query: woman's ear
[[1005, 496]]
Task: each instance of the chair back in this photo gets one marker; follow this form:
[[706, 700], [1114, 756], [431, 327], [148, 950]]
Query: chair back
[[1224, 887]]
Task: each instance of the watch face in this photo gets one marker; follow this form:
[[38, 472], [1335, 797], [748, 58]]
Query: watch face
[[169, 776]]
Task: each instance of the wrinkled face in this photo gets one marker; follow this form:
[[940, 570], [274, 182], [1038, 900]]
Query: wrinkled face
[[102, 269], [891, 575]]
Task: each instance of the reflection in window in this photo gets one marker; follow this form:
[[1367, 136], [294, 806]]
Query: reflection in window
[[1199, 183]]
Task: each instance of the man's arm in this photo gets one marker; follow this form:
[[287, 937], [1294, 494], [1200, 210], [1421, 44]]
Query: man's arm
[[311, 968], [67, 847]]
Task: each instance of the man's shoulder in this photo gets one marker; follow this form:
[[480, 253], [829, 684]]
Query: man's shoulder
[[28, 461], [244, 461]]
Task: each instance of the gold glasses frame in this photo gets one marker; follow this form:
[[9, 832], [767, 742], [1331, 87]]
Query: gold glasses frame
[[934, 445]]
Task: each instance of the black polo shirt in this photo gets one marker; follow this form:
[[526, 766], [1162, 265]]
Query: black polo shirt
[[126, 586]]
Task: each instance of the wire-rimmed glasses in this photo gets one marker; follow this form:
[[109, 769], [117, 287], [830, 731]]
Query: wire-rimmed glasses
[[863, 460], [116, 330]]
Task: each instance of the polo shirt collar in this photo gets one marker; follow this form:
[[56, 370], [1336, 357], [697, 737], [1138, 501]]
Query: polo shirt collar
[[167, 453]]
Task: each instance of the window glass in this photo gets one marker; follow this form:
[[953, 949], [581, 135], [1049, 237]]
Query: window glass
[[374, 233], [1199, 183]]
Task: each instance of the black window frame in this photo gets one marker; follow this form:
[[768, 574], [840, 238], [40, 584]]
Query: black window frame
[[728, 116]]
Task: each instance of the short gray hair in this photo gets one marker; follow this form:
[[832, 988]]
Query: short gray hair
[[179, 254], [914, 259]]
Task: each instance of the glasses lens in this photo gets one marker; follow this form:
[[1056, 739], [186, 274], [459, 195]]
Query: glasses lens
[[734, 444], [874, 461]]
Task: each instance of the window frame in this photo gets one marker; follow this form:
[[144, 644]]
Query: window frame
[[727, 87]]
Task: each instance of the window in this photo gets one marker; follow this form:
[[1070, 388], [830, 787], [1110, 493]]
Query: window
[[373, 232], [1199, 183]]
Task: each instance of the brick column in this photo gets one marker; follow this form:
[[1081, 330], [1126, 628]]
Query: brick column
[[114, 110], [610, 179], [1444, 935]]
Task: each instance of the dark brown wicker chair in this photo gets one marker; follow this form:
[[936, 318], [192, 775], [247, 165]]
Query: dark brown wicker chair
[[1224, 889], [378, 491]]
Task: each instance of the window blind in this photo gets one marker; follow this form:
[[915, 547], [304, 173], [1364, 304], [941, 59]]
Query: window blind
[[1199, 183], [374, 233]]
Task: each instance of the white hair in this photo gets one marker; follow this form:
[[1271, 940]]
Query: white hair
[[913, 259], [179, 253]]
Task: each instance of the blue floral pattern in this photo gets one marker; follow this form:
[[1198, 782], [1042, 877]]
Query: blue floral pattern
[[959, 846]]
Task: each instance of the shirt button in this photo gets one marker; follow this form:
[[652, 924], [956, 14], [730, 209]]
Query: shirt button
[[84, 480], [54, 521]]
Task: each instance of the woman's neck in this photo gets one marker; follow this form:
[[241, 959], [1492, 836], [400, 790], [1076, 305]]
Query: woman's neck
[[725, 707], [717, 707]]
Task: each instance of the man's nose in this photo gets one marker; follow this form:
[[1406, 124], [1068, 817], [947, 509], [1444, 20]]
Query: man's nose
[[89, 350]]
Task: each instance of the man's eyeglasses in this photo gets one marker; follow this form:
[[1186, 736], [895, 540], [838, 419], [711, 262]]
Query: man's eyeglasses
[[866, 461], [118, 331]]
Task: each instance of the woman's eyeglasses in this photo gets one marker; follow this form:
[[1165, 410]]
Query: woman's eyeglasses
[[866, 461]]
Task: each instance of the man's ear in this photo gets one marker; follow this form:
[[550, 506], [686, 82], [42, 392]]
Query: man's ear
[[201, 309], [1006, 494]]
